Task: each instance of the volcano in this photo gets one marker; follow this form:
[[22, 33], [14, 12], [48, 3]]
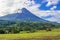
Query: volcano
[[25, 15]]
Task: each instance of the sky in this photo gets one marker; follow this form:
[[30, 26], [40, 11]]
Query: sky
[[45, 9]]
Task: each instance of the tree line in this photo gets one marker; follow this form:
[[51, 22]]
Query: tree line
[[18, 26]]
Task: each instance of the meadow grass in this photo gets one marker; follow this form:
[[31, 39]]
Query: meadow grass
[[40, 35]]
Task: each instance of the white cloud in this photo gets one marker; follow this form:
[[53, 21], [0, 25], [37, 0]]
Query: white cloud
[[10, 6], [52, 2], [49, 3], [54, 7], [52, 19], [34, 9]]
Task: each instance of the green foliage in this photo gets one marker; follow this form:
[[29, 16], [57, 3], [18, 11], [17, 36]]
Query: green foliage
[[17, 26]]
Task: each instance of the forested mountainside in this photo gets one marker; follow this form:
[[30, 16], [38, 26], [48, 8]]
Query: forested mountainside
[[17, 26]]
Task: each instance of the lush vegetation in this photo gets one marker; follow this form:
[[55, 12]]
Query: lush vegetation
[[27, 30], [28, 26]]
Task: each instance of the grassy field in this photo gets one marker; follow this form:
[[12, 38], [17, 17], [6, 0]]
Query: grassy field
[[39, 35]]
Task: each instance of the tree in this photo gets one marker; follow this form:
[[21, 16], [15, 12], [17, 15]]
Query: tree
[[2, 32], [48, 29]]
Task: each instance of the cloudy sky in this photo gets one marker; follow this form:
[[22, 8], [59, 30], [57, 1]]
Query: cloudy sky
[[46, 9]]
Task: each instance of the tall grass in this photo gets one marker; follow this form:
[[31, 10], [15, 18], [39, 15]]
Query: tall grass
[[39, 35]]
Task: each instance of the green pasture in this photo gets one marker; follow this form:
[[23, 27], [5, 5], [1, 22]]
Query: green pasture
[[23, 35]]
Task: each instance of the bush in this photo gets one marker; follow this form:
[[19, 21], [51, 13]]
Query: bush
[[2, 32], [48, 29]]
